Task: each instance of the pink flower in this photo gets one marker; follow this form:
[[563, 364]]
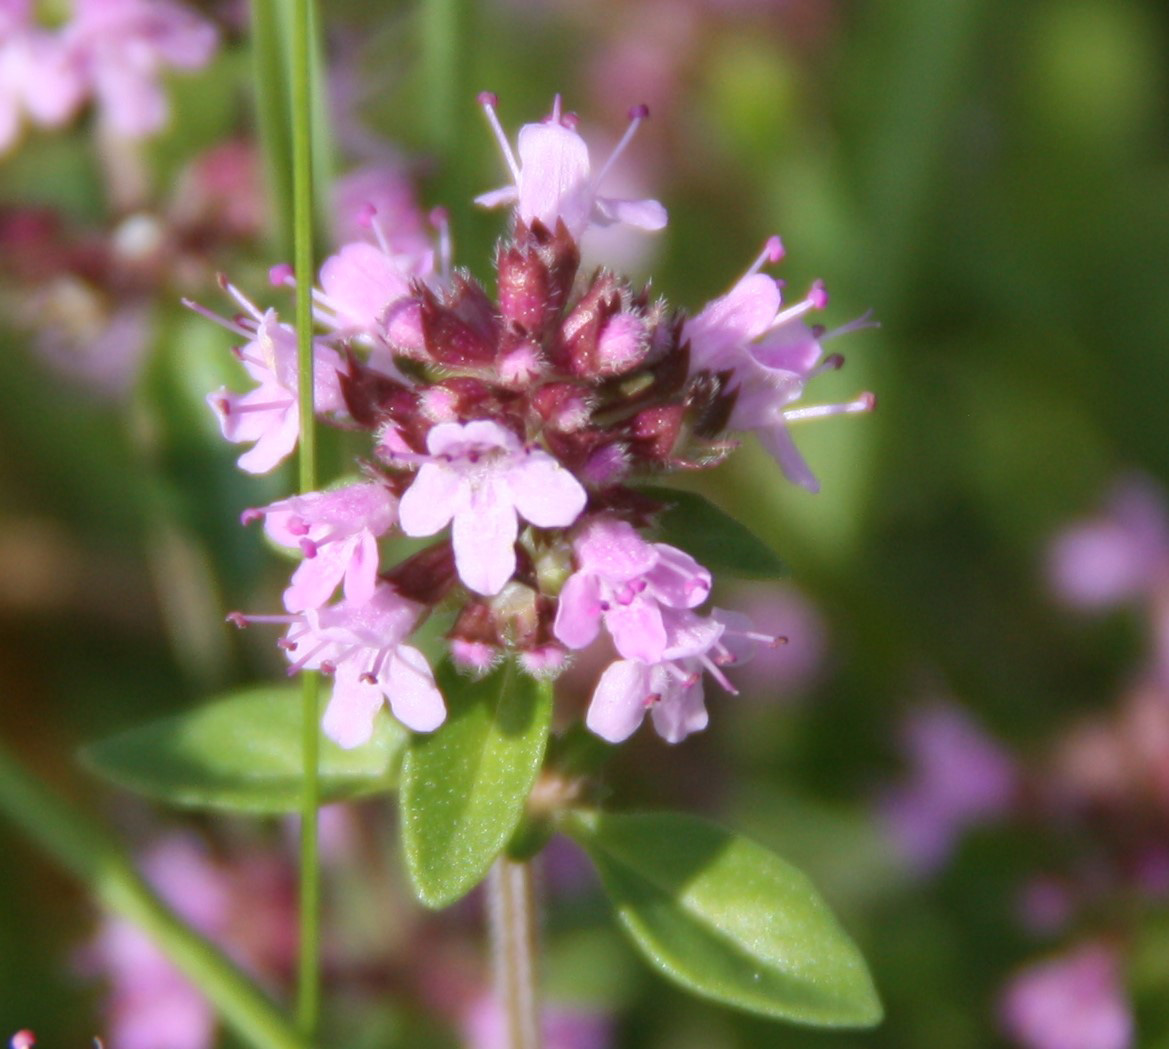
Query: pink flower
[[553, 179], [246, 909], [626, 581], [37, 79], [959, 777], [268, 415], [1119, 555], [122, 47], [1074, 1001], [772, 354], [363, 647], [482, 478], [671, 689], [337, 532]]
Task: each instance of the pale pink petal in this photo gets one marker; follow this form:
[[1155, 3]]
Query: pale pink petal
[[484, 537], [637, 630], [316, 578], [648, 215], [361, 568], [361, 281], [677, 579], [739, 316], [791, 347], [348, 719], [275, 444], [544, 492], [432, 499], [680, 712], [410, 688], [779, 444], [614, 550], [554, 176], [578, 614], [619, 700]]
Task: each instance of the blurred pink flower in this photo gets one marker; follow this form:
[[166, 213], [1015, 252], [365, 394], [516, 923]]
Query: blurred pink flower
[[1073, 1001], [1118, 555], [959, 777], [248, 911]]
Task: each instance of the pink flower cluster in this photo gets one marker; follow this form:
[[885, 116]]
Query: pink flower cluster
[[113, 52], [513, 431]]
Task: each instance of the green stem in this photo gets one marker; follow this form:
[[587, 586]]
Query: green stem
[[515, 950], [77, 843], [309, 975], [446, 62], [270, 67]]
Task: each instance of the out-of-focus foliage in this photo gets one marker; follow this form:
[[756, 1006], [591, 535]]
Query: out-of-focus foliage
[[990, 179]]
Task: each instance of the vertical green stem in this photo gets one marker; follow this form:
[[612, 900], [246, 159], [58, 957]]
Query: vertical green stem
[[515, 950], [447, 94], [308, 984]]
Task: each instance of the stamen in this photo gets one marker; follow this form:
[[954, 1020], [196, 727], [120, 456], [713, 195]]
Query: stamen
[[772, 252], [251, 516], [636, 115], [718, 675], [247, 304], [232, 326], [865, 320], [832, 363], [866, 402], [489, 101], [652, 699]]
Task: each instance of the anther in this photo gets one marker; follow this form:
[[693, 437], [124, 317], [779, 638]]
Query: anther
[[237, 619], [280, 274]]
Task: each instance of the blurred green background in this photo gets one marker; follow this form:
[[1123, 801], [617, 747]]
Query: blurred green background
[[990, 178]]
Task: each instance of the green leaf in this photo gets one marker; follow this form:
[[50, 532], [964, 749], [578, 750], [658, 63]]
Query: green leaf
[[727, 919], [464, 786], [243, 753], [711, 536]]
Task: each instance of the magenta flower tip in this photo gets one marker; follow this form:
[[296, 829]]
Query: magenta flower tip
[[818, 296], [774, 248], [250, 516], [280, 274], [488, 98], [439, 217], [237, 619], [639, 112], [24, 1039]]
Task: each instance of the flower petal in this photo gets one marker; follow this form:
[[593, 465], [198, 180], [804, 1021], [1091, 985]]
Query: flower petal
[[432, 499], [619, 700], [483, 536], [544, 492], [348, 719], [410, 688], [578, 613]]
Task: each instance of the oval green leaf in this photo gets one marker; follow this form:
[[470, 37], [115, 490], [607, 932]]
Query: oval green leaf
[[712, 537], [727, 919], [242, 753], [464, 786]]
